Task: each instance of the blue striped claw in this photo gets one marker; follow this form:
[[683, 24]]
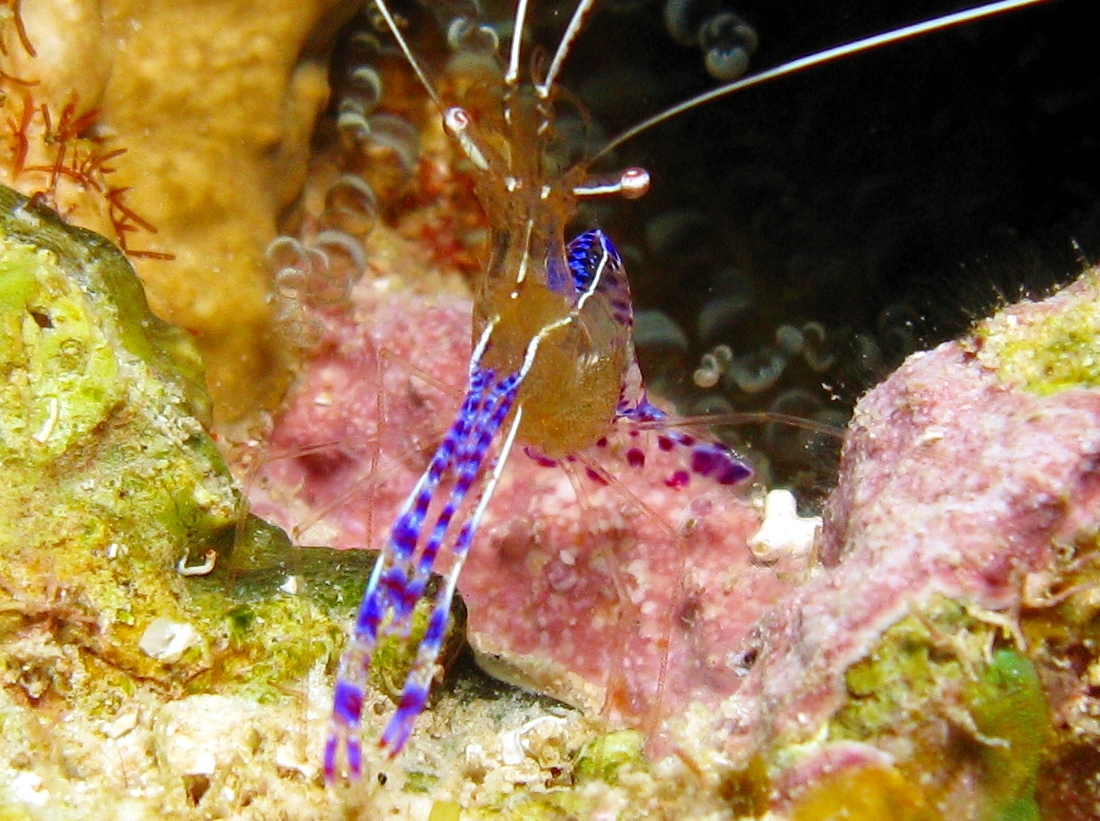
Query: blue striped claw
[[428, 523]]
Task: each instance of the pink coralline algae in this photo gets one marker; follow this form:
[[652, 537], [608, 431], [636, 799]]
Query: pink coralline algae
[[633, 600], [628, 598], [958, 480]]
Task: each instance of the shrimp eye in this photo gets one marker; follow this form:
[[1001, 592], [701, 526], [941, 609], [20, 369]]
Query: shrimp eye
[[634, 183], [456, 120]]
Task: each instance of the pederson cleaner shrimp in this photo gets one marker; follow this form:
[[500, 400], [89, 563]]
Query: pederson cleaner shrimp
[[553, 367]]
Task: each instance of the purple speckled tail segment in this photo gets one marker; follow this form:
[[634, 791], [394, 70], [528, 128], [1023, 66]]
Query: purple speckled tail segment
[[400, 575], [705, 458], [590, 254], [701, 457]]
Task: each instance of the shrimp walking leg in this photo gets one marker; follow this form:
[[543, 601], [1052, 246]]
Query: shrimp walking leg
[[400, 575]]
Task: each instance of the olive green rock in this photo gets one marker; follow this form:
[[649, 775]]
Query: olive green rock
[[110, 477], [125, 546]]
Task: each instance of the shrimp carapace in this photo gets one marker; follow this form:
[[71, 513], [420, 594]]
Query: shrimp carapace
[[575, 299]]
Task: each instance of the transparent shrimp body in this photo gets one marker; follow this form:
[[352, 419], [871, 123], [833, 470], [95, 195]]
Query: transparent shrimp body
[[574, 300], [553, 367], [553, 364]]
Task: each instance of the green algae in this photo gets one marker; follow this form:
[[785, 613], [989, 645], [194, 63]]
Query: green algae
[[911, 668], [554, 805], [933, 688], [1007, 704], [1062, 626], [1050, 350], [607, 756], [445, 811], [113, 487]]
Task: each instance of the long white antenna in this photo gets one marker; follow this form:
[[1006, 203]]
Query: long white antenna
[[392, 23], [571, 32], [854, 47], [517, 42]]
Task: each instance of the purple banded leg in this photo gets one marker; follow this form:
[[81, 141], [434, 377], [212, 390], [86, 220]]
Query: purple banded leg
[[384, 591], [467, 467], [395, 585], [418, 683], [347, 709], [401, 546], [387, 591], [414, 695]]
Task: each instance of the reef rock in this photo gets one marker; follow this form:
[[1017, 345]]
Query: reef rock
[[930, 657], [181, 130], [141, 612], [107, 467], [950, 625]]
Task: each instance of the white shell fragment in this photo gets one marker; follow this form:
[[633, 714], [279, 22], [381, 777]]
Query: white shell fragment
[[783, 532], [514, 746], [204, 569], [166, 640]]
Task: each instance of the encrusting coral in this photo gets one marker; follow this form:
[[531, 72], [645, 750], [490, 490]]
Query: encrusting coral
[[186, 130]]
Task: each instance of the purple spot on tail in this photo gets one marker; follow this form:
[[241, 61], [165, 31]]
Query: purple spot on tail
[[704, 460], [678, 480], [601, 442], [719, 463], [735, 471], [539, 458], [635, 458], [395, 587], [664, 443], [595, 476]]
